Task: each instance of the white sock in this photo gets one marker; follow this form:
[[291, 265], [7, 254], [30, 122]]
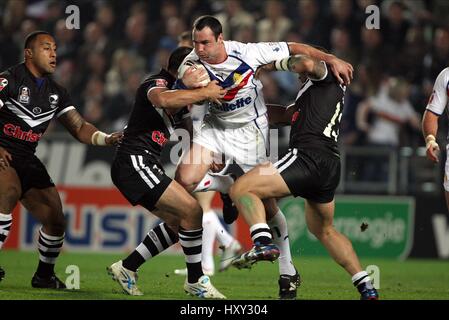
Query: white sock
[[278, 226], [259, 232], [223, 236], [216, 182], [5, 227], [209, 232], [360, 277]]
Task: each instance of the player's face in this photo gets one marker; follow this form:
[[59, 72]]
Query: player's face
[[44, 54], [206, 46]]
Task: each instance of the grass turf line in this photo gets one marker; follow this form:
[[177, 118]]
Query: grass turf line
[[322, 278]]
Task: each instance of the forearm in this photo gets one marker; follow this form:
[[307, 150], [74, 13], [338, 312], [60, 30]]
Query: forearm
[[279, 115], [429, 124], [79, 128], [304, 49], [312, 68], [85, 133], [175, 99]]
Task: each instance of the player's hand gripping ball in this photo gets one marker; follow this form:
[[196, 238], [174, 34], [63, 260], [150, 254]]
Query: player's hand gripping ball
[[193, 74]]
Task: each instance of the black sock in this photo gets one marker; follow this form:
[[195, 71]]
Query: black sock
[[261, 234], [5, 227], [191, 243], [156, 241], [49, 248]]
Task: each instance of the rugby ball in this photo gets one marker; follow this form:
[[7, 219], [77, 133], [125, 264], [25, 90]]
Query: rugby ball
[[195, 65]]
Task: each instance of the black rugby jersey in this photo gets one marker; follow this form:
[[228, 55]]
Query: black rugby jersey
[[149, 128], [27, 105], [316, 123]]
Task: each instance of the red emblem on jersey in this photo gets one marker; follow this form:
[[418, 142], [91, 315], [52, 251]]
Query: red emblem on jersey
[[240, 80], [14, 131], [161, 83], [159, 138], [3, 83], [295, 116]]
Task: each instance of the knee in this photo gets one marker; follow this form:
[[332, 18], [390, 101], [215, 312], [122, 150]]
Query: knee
[[237, 190], [9, 197], [56, 222], [322, 233], [187, 179]]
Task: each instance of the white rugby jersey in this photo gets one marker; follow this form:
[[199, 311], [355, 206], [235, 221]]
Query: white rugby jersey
[[244, 101], [439, 98]]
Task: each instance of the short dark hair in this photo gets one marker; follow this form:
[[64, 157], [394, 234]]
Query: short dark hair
[[176, 58], [208, 21], [31, 37]]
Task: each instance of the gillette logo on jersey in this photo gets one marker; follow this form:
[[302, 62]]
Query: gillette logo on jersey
[[14, 131], [236, 82], [239, 103]]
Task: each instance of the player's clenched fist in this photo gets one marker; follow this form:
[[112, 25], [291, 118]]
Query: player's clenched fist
[[194, 76], [114, 138], [215, 92], [432, 148]]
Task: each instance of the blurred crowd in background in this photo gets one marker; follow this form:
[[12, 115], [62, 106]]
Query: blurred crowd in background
[[120, 42]]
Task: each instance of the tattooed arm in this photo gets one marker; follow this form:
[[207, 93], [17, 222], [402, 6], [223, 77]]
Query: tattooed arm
[[312, 68], [85, 132], [341, 69]]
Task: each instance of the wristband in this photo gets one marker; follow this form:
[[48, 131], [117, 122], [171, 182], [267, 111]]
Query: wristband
[[431, 141], [99, 138], [282, 65]]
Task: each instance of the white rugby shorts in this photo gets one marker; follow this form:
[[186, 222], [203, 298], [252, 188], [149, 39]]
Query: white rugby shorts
[[246, 144]]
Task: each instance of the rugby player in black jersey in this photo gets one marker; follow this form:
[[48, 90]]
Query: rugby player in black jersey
[[138, 174], [29, 99], [310, 169]]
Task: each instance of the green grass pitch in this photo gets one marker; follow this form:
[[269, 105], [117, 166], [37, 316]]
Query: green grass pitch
[[322, 279]]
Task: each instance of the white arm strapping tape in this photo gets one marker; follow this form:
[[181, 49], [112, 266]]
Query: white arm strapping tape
[[282, 65], [431, 142], [99, 138]]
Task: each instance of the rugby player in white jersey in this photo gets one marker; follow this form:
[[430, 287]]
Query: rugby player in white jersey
[[238, 128], [435, 107]]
